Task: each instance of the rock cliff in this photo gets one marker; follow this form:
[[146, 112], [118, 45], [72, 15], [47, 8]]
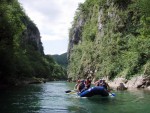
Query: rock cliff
[[21, 51], [109, 38], [31, 36]]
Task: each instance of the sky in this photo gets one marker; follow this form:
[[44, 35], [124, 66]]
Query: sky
[[53, 19]]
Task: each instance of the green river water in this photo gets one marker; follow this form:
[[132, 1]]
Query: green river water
[[51, 98]]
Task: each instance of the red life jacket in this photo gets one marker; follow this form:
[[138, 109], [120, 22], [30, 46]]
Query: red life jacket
[[88, 83]]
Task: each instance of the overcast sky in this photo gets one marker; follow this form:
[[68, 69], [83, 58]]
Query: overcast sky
[[53, 18]]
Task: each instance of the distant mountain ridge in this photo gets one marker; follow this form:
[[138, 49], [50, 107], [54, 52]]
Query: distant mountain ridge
[[61, 59]]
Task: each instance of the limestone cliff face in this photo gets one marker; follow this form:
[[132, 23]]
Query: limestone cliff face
[[35, 37], [76, 31], [31, 36], [104, 40], [21, 50], [75, 34]]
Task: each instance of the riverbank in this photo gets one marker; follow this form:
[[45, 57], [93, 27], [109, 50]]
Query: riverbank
[[121, 83], [20, 82], [141, 81], [13, 82]]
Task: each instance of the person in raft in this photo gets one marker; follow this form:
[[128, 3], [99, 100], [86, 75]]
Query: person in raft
[[102, 83], [77, 84], [98, 83], [87, 84], [83, 85]]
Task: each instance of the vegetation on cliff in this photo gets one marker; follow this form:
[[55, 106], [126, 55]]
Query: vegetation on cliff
[[21, 50], [110, 38], [61, 59]]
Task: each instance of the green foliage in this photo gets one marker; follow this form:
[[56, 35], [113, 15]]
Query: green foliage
[[144, 7], [123, 4], [121, 47], [21, 51], [75, 58], [89, 32], [61, 59]]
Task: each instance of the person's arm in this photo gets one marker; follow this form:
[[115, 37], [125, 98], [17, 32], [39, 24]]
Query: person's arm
[[108, 87], [88, 83], [96, 83], [75, 87], [78, 87]]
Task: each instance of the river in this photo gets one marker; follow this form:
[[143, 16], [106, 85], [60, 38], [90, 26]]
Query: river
[[51, 98]]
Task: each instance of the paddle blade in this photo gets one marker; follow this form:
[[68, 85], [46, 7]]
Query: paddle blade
[[68, 91], [112, 94]]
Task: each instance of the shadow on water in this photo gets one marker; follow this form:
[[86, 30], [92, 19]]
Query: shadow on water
[[77, 109], [96, 104], [20, 99]]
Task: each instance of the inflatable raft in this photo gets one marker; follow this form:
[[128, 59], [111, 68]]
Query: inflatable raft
[[98, 90]]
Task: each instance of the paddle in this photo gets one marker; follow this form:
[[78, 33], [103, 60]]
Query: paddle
[[70, 91], [73, 92], [112, 94]]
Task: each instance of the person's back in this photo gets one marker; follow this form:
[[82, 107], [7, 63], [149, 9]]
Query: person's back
[[81, 86], [104, 84], [88, 83], [77, 83], [98, 83]]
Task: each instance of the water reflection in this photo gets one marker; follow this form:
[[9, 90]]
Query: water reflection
[[20, 99], [51, 98], [77, 109]]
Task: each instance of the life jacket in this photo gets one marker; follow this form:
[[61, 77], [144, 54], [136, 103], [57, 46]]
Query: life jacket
[[78, 81], [104, 85], [82, 85], [99, 83], [88, 83]]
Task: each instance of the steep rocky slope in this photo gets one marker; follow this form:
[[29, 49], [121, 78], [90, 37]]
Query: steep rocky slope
[[110, 38], [21, 50]]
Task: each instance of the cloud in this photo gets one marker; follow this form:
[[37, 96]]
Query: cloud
[[52, 17], [50, 37]]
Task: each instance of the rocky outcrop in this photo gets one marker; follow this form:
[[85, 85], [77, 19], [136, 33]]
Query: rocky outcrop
[[107, 11], [104, 41], [121, 87], [135, 82], [31, 36], [32, 80], [75, 34]]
